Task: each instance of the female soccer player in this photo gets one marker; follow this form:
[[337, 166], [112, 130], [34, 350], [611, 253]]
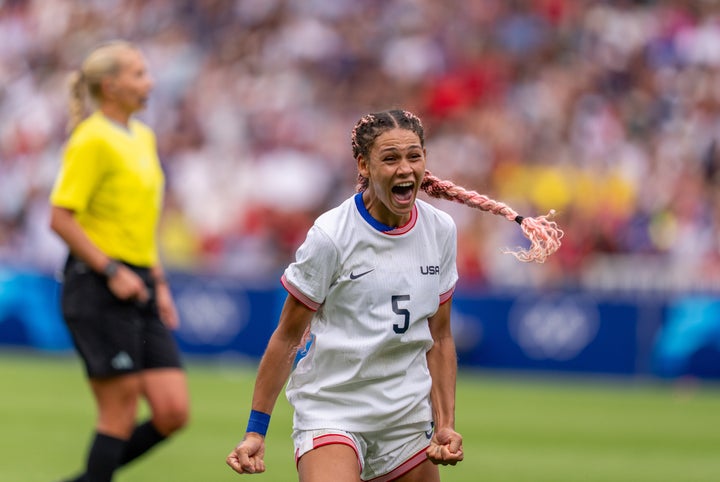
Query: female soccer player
[[371, 288], [115, 299]]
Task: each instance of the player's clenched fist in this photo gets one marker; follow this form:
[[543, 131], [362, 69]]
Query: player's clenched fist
[[445, 447], [247, 457]]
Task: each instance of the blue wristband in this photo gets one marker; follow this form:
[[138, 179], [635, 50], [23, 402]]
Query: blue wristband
[[258, 422]]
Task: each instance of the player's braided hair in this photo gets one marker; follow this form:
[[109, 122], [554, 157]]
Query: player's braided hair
[[101, 62], [544, 234]]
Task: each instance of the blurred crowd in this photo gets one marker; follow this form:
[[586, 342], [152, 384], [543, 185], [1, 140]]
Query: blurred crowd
[[606, 111]]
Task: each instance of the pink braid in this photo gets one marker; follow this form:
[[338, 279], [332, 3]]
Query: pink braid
[[544, 235]]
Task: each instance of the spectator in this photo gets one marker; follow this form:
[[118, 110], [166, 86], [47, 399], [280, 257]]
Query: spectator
[[607, 101]]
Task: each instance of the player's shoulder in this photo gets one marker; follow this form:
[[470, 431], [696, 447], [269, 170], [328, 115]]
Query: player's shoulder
[[89, 126], [89, 131], [335, 219], [434, 214]]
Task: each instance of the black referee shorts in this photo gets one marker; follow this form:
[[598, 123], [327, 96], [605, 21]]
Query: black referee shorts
[[112, 336]]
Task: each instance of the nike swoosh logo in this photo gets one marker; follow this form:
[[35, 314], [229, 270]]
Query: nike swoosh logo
[[356, 276]]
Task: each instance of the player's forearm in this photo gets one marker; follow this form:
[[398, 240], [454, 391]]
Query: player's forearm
[[276, 364], [273, 372], [442, 363]]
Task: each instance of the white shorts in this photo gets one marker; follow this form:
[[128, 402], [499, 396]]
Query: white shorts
[[382, 455]]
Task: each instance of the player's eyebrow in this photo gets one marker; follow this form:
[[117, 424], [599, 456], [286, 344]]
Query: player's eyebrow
[[396, 148]]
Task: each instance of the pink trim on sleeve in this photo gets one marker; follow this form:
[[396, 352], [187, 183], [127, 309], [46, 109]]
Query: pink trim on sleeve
[[445, 297], [298, 295]]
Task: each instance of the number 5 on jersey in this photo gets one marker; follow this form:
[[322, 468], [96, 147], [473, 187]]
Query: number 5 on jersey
[[401, 328]]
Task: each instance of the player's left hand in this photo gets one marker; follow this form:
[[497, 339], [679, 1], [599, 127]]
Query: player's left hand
[[445, 447]]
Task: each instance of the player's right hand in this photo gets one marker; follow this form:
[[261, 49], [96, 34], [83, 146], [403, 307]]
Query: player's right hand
[[247, 457]]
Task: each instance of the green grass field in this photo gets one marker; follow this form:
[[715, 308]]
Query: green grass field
[[515, 428]]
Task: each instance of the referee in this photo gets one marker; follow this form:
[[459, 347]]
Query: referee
[[116, 302]]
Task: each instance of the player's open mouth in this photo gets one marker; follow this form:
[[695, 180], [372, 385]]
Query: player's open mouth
[[403, 192]]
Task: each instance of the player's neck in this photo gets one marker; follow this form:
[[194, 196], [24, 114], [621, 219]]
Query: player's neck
[[115, 114]]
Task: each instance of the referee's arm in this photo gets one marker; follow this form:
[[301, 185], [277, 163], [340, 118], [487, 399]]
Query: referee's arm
[[62, 221], [123, 283]]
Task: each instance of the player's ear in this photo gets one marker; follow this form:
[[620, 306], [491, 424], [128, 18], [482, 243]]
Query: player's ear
[[363, 167]]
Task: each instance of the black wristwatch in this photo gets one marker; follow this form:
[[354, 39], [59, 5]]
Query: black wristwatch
[[111, 268]]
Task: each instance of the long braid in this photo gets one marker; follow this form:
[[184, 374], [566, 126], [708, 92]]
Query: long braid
[[443, 189], [544, 234]]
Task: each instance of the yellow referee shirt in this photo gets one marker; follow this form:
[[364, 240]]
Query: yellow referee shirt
[[111, 178]]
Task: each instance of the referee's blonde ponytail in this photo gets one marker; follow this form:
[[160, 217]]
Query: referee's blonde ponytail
[[543, 233], [87, 81], [76, 102]]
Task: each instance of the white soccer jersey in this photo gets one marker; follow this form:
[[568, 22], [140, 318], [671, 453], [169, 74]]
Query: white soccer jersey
[[373, 290]]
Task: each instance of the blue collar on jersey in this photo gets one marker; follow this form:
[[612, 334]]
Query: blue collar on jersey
[[366, 215]]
